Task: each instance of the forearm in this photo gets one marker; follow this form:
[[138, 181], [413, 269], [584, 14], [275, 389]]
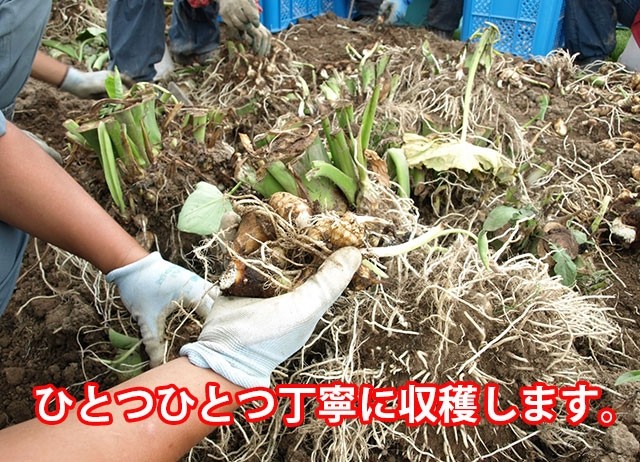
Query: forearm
[[39, 197], [147, 440], [49, 70]]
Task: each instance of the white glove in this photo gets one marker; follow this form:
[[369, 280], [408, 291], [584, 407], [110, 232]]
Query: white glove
[[259, 38], [151, 290], [55, 155], [244, 339], [394, 10], [84, 84], [239, 14]]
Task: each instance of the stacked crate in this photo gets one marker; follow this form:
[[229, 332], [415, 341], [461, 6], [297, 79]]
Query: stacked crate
[[277, 15], [528, 28]]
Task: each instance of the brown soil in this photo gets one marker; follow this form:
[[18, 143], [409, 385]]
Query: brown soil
[[52, 319]]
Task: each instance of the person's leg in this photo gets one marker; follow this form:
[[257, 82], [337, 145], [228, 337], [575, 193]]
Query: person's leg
[[12, 245], [135, 32], [590, 29], [21, 26], [626, 11], [367, 8], [194, 32], [444, 15], [19, 43]]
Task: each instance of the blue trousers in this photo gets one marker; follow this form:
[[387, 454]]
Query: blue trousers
[[135, 32], [368, 8], [12, 245], [590, 26], [21, 26]]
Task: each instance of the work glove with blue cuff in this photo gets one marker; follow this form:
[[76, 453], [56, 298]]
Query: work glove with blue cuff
[[394, 10], [153, 288], [244, 339]]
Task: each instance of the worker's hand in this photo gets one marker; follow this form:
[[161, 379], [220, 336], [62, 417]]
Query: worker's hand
[[245, 339], [393, 10], [240, 14], [152, 288], [55, 155], [259, 38], [85, 84]]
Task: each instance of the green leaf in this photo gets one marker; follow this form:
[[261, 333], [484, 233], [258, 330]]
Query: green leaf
[[443, 156], [319, 190], [121, 341], [483, 248], [69, 50], [113, 85], [499, 217], [203, 210], [631, 376], [564, 267], [129, 366], [579, 236], [99, 61], [91, 32], [482, 56]]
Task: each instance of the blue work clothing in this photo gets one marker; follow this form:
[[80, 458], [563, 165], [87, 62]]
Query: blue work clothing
[[445, 15], [135, 32], [367, 8], [22, 24], [590, 26], [13, 243]]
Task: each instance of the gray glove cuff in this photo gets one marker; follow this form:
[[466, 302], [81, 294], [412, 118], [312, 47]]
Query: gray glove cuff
[[71, 80], [134, 267], [223, 358]]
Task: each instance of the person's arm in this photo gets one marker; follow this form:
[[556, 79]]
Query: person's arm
[[48, 70], [39, 197], [68, 78], [242, 342], [147, 440]]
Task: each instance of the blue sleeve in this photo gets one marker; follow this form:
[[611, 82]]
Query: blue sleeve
[[3, 124]]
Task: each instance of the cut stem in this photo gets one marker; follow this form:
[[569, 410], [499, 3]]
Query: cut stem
[[406, 247]]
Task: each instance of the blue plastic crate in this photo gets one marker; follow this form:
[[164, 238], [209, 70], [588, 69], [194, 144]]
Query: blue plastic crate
[[528, 28], [339, 7], [277, 15]]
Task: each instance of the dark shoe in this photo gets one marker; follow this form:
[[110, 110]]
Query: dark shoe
[[367, 20], [202, 59]]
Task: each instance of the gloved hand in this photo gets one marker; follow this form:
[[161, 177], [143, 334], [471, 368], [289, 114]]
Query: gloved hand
[[151, 290], [244, 339], [55, 155], [85, 84], [259, 38], [394, 10], [239, 14]]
